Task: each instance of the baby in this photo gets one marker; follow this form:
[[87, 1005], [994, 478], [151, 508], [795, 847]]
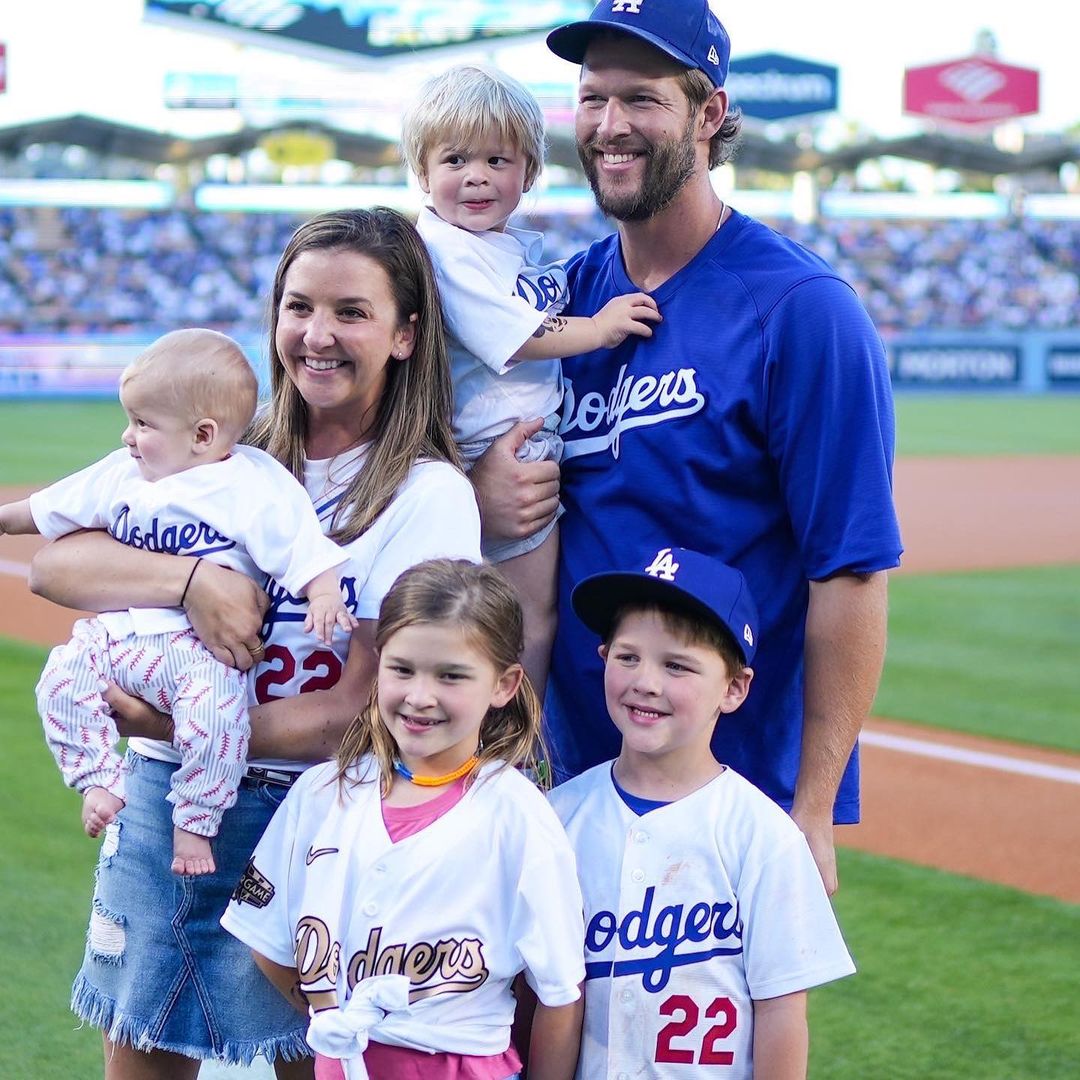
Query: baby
[[180, 485]]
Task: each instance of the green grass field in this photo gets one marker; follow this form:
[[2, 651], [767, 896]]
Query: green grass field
[[980, 425], [42, 440], [958, 980], [990, 653]]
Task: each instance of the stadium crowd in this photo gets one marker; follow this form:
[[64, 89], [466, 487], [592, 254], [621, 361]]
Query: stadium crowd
[[104, 270]]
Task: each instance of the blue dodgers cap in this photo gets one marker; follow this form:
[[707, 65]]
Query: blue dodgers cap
[[686, 30], [676, 578]]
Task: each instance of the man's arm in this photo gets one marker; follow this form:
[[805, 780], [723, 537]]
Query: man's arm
[[843, 656]]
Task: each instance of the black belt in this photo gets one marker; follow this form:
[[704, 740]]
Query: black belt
[[253, 774]]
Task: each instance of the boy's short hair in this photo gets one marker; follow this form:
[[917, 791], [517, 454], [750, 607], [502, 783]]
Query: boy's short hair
[[465, 104], [688, 626], [203, 374], [702, 597]]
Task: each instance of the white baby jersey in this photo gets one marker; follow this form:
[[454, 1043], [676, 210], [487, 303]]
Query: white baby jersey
[[484, 892], [433, 515], [246, 512], [495, 293], [692, 911]]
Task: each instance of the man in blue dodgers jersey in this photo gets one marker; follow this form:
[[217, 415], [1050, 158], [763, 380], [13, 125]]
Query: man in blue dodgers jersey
[[755, 425]]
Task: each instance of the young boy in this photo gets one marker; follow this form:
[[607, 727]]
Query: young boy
[[706, 918], [475, 140], [182, 486]]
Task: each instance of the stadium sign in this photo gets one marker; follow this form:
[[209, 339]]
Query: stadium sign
[[972, 90], [771, 86], [1063, 366], [955, 365], [367, 30]]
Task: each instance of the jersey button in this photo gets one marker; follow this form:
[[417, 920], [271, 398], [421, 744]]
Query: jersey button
[[627, 996], [641, 837], [370, 908], [638, 875]]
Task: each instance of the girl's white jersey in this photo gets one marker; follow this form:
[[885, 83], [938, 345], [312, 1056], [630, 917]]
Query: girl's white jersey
[[486, 891], [692, 911]]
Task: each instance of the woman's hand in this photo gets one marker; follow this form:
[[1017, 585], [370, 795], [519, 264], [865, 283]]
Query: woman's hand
[[226, 611], [138, 718]]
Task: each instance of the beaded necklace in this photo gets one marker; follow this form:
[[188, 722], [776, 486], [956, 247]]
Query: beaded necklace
[[435, 781]]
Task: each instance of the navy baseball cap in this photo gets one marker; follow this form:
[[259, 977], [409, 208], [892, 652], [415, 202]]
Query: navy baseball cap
[[686, 30], [674, 577]]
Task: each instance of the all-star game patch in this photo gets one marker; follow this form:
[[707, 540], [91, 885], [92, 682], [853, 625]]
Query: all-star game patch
[[253, 888]]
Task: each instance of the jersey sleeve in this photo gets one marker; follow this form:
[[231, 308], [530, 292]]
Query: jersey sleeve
[[548, 917], [830, 426], [434, 516], [790, 935], [483, 311], [81, 501], [284, 537], [258, 913]]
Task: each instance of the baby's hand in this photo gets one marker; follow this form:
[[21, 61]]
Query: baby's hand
[[98, 809], [626, 315], [325, 611]]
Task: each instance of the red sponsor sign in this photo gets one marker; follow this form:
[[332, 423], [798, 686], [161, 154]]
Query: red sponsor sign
[[3, 67], [971, 90]]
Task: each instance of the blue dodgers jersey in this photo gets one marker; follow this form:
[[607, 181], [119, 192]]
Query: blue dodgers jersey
[[756, 425]]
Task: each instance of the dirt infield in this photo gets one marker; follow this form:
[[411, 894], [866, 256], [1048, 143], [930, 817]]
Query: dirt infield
[[999, 811]]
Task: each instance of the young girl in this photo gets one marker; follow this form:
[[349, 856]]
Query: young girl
[[399, 891], [475, 140]]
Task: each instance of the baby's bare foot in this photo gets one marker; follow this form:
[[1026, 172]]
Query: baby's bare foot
[[191, 853], [98, 809]]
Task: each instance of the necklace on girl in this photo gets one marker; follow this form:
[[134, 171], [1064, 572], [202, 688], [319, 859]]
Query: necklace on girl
[[435, 781]]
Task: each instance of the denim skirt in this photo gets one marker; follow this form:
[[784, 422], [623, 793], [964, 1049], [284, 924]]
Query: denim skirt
[[159, 971]]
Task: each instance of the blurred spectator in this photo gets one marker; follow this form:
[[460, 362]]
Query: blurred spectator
[[147, 272]]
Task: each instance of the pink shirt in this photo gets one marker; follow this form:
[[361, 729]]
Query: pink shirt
[[396, 1062]]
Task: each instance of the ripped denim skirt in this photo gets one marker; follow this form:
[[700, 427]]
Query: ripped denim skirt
[[159, 971]]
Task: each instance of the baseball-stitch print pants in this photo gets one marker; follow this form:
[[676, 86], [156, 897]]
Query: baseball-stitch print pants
[[174, 672]]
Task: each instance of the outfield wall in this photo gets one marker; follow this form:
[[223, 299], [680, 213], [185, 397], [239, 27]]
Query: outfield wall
[[1033, 362]]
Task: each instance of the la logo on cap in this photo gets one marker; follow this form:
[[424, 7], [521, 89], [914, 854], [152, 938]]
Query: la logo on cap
[[632, 6], [663, 565]]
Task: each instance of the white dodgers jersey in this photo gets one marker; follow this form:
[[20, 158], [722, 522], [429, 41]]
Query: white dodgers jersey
[[692, 911]]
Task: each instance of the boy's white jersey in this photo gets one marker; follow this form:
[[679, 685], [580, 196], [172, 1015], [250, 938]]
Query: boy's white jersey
[[484, 892], [495, 293], [692, 911], [246, 512]]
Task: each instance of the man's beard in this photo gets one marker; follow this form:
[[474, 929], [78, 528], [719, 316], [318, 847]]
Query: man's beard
[[668, 167]]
